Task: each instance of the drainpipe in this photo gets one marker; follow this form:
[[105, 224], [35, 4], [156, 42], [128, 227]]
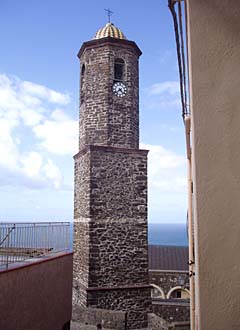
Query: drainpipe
[[187, 121]]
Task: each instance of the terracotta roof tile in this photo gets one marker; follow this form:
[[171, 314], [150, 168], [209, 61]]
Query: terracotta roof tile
[[163, 257]]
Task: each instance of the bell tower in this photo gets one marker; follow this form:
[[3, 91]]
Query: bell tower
[[109, 91], [110, 193]]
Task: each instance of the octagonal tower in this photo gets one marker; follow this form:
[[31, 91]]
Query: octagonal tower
[[110, 197]]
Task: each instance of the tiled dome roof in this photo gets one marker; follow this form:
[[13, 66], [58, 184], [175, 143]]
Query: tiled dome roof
[[109, 30]]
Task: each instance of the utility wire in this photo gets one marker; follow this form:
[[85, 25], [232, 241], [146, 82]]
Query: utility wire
[[183, 57], [180, 53]]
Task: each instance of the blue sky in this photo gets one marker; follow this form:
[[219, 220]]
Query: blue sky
[[39, 93]]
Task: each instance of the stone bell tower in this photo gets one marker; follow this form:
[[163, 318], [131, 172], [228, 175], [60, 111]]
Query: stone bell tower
[[110, 198]]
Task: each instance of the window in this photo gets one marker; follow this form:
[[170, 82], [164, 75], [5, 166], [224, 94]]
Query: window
[[118, 69], [82, 94], [178, 293], [83, 70], [157, 292]]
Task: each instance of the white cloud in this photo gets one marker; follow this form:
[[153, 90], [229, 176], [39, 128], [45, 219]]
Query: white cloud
[[31, 163], [166, 169], [27, 101], [59, 134], [162, 96], [53, 174], [8, 146], [169, 87], [30, 117], [27, 107], [167, 184], [16, 105], [35, 126], [30, 170], [45, 93]]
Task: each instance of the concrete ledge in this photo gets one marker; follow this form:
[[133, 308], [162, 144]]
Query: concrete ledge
[[123, 287], [175, 302], [33, 261], [81, 326], [93, 316], [157, 323], [180, 326], [109, 41], [110, 149]]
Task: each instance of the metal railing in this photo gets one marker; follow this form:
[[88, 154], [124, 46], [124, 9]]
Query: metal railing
[[22, 241]]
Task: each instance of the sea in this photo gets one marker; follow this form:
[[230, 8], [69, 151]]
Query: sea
[[163, 234], [167, 234], [158, 233]]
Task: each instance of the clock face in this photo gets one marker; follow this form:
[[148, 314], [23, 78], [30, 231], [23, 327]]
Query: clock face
[[119, 89]]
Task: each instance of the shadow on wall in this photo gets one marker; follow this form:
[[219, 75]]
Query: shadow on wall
[[37, 295]]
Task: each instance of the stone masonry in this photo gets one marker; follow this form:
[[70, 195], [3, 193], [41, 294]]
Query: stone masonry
[[106, 119], [110, 196], [172, 310], [114, 320], [167, 280]]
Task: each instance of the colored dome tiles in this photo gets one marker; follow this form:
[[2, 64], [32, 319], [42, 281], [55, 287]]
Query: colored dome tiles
[[109, 30]]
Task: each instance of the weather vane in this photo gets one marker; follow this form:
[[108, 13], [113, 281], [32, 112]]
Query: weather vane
[[109, 13]]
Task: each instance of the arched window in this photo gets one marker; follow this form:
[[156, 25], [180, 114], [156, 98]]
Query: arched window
[[157, 292], [83, 70], [178, 293], [82, 84], [118, 69]]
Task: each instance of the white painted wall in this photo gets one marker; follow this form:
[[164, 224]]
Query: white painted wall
[[214, 53]]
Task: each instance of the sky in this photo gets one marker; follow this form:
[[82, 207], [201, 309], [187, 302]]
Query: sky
[[39, 96]]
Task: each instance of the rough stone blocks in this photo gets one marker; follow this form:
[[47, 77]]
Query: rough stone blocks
[[111, 250]]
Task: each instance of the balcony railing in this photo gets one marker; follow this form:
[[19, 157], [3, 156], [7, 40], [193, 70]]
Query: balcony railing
[[22, 241]]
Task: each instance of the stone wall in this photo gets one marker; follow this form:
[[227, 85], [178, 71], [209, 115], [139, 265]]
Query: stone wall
[[134, 301], [111, 211], [172, 311], [82, 172], [81, 228], [167, 280], [157, 323], [106, 119], [111, 231], [92, 316], [118, 183], [112, 261], [110, 196]]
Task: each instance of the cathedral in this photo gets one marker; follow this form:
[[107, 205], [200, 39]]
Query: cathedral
[[110, 193]]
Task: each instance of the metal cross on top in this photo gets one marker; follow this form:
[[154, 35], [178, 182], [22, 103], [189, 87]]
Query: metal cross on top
[[109, 13]]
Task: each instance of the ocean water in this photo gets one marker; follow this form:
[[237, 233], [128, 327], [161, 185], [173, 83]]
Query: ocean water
[[160, 234], [163, 234], [167, 234]]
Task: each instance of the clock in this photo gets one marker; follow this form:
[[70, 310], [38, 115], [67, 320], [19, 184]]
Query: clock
[[119, 89]]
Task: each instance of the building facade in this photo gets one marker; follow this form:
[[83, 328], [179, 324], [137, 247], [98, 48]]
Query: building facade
[[110, 196], [213, 30], [169, 278]]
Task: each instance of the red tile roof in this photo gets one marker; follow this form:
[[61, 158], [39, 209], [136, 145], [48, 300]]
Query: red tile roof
[[163, 257]]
